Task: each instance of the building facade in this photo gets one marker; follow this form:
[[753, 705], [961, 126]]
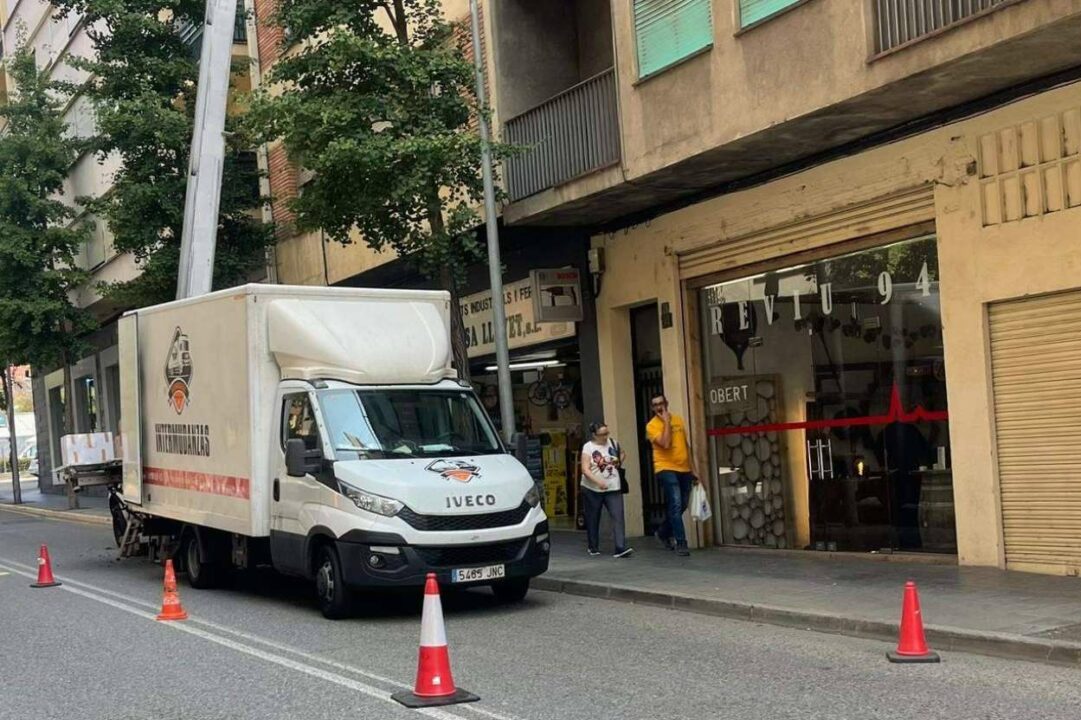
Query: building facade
[[95, 379], [842, 237]]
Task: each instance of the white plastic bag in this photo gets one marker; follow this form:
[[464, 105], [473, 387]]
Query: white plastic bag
[[700, 511]]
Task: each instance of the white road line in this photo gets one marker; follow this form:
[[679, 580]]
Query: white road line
[[249, 650], [30, 571]]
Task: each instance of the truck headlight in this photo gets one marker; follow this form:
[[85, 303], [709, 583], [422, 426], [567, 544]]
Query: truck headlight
[[533, 496], [372, 503]]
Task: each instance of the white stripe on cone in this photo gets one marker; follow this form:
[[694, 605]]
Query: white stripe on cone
[[432, 631]]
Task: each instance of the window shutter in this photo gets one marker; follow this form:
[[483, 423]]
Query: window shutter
[[669, 31], [751, 11]]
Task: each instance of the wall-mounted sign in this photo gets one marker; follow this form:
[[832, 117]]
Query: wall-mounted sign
[[522, 326], [730, 394], [557, 295]]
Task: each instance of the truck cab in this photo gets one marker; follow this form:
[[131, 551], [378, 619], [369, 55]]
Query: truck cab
[[376, 486]]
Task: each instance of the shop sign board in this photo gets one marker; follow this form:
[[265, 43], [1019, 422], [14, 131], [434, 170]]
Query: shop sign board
[[522, 327], [731, 394], [557, 295]]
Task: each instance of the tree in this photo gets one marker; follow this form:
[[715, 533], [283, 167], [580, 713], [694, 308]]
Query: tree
[[142, 89], [377, 101], [39, 243]]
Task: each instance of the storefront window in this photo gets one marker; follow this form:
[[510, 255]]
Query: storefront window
[[826, 404], [548, 415]]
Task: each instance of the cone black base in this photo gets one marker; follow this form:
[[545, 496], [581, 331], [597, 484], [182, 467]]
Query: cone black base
[[930, 657], [412, 700], [43, 585]]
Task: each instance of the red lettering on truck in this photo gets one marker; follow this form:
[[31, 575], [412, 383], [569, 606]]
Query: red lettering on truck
[[224, 485]]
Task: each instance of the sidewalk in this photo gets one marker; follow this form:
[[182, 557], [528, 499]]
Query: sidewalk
[[91, 509], [981, 610]]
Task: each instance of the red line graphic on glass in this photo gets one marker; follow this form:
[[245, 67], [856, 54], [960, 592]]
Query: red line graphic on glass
[[895, 414]]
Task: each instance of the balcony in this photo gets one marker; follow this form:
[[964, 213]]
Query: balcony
[[570, 135], [192, 34], [899, 22], [555, 92]]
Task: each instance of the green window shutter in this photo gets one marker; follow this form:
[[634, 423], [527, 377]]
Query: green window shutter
[[751, 11], [670, 30]]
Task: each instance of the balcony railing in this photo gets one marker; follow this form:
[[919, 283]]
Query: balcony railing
[[192, 34], [901, 21], [571, 134]]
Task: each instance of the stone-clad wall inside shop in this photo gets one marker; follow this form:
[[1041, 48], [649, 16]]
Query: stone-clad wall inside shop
[[1032, 251]]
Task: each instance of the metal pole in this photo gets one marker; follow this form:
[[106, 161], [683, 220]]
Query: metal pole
[[495, 264], [9, 392], [203, 197]]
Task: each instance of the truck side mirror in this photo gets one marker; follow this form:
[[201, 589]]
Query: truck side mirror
[[299, 460]]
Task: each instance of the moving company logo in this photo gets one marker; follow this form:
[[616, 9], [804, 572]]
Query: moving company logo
[[178, 371], [459, 470]]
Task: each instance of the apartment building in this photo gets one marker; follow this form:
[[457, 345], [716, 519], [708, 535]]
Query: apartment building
[[842, 236], [95, 391]]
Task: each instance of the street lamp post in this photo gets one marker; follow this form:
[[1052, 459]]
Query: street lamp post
[[495, 266]]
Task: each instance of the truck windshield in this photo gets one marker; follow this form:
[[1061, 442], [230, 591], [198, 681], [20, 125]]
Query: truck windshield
[[406, 423]]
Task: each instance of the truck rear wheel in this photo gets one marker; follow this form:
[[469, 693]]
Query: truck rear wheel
[[334, 596], [511, 591], [202, 574]]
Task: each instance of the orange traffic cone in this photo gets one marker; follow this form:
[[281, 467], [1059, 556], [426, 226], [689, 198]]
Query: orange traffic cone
[[171, 609], [912, 645], [435, 684], [45, 570]]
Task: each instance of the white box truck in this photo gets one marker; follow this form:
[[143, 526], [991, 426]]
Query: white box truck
[[322, 431]]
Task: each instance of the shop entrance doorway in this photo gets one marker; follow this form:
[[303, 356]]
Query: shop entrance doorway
[[648, 383]]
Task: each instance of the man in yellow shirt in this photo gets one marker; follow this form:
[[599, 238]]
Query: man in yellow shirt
[[673, 466]]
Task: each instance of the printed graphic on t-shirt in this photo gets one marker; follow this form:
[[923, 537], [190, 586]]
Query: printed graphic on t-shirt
[[603, 465]]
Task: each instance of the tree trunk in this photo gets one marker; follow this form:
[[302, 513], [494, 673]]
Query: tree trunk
[[9, 393], [458, 345], [457, 328]]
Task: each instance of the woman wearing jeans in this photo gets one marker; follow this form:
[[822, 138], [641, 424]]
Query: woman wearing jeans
[[600, 462]]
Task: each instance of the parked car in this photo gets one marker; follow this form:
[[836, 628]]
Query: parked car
[[30, 452]]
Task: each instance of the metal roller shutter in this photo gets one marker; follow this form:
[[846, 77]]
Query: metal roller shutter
[[1036, 375]]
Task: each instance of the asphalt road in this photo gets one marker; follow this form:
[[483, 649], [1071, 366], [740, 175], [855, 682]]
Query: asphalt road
[[91, 649]]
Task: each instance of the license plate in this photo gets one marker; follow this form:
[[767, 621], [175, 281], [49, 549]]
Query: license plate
[[491, 572]]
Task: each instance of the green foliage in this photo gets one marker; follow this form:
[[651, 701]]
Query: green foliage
[[38, 244], [142, 88], [382, 117]]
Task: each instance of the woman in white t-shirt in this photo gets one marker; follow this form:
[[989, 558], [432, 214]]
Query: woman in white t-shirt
[[600, 462]]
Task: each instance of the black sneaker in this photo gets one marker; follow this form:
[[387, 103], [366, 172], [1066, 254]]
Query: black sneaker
[[594, 553], [666, 543], [624, 553], [682, 550]]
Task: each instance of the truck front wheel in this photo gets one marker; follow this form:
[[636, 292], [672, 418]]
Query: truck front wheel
[[511, 591], [335, 597], [201, 574]]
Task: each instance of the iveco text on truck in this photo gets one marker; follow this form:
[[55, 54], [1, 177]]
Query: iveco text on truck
[[322, 431]]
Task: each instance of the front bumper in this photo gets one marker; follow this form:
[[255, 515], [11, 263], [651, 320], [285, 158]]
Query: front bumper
[[523, 557]]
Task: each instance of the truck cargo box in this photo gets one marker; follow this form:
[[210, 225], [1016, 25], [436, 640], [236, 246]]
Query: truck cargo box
[[199, 379]]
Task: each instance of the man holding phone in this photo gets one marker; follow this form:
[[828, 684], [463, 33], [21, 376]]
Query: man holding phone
[[673, 466]]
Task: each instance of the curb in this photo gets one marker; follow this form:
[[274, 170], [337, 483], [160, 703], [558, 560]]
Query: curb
[[942, 638], [67, 515]]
